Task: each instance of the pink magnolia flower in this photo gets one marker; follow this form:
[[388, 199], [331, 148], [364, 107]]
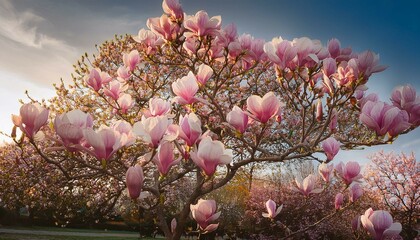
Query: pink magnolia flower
[[338, 202], [368, 63], [163, 27], [334, 47], [164, 158], [228, 34], [405, 98], [355, 223], [149, 40], [105, 141], [347, 72], [333, 122], [153, 129], [32, 117], [189, 128], [134, 179], [115, 89], [125, 102], [319, 112], [355, 192], [330, 147], [349, 172], [204, 73], [131, 59], [281, 52], [271, 209], [373, 97], [263, 108], [325, 171], [97, 78], [306, 51], [307, 186], [201, 25], [210, 154], [69, 126], [185, 88], [173, 9], [329, 67], [380, 224], [204, 213], [126, 131], [157, 107], [173, 225], [238, 119], [384, 118], [123, 73]]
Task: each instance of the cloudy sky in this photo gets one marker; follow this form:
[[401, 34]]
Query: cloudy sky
[[41, 40]]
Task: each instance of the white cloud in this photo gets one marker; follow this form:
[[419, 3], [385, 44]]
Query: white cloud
[[22, 27]]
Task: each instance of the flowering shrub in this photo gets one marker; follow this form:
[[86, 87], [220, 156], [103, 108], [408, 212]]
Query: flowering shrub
[[189, 99]]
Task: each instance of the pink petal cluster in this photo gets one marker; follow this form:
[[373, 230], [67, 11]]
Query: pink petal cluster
[[307, 186], [201, 25], [173, 9], [263, 108], [326, 171], [330, 147], [319, 111], [115, 89], [105, 141], [189, 128], [32, 117], [125, 102], [368, 63], [272, 212], [405, 98], [70, 126], [204, 213], [125, 130], [131, 59], [338, 201], [349, 172], [204, 74], [134, 179], [153, 129], [384, 118], [157, 107], [123, 73], [164, 158], [150, 40], [211, 153], [281, 52], [164, 27], [97, 78], [355, 191], [185, 89], [380, 224], [238, 119]]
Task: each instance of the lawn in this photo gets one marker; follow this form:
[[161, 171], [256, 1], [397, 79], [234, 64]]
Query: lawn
[[51, 233]]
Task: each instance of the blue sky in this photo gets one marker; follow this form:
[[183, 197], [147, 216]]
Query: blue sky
[[40, 40]]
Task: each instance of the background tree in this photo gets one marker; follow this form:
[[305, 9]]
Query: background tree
[[396, 177]]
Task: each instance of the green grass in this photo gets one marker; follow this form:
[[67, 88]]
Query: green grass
[[36, 235], [59, 229], [6, 236]]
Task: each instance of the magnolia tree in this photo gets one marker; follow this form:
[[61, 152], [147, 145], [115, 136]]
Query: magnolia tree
[[188, 100], [397, 179]]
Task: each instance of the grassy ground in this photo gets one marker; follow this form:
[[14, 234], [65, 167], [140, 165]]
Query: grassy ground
[[6, 236], [58, 229], [39, 233]]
